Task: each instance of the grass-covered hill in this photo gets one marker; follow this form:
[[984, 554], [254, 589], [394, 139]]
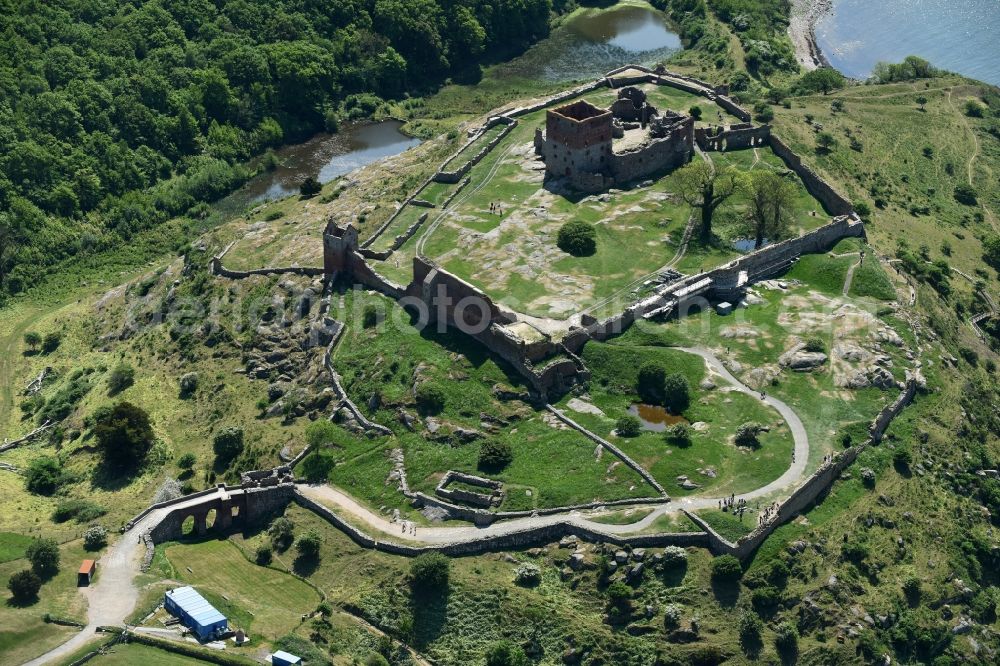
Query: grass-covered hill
[[898, 561]]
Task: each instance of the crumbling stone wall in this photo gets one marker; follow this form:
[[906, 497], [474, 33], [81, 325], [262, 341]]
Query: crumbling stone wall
[[735, 137], [520, 539], [813, 488], [450, 173], [833, 201]]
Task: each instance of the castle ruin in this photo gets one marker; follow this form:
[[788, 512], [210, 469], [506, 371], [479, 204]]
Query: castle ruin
[[592, 149]]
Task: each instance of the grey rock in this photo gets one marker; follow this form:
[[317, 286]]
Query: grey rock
[[621, 557], [801, 361]]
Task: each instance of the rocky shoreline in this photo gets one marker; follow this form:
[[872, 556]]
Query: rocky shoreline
[[802, 31]]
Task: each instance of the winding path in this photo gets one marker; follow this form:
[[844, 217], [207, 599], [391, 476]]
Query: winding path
[[113, 596], [334, 498]]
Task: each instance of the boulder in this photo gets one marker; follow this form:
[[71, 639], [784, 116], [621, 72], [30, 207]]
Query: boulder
[[849, 352], [801, 361]]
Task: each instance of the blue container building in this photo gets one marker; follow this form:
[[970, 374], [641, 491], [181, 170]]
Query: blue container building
[[195, 613]]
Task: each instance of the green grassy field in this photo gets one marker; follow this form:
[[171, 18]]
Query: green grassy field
[[910, 192], [135, 653], [614, 367], [23, 634], [265, 602], [557, 466]]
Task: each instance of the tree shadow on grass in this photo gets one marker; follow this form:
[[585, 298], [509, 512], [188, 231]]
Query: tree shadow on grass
[[22, 603], [305, 566], [674, 576], [430, 614], [112, 476], [727, 592]]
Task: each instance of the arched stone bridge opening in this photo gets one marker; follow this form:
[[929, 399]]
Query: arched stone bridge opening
[[221, 512]]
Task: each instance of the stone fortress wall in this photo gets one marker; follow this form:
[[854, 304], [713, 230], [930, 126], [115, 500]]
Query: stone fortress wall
[[816, 486]]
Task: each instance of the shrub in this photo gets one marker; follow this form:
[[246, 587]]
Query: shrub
[[619, 595], [375, 659], [679, 434], [911, 587], [786, 638], [83, 511], [430, 398], [674, 556], [228, 442], [263, 554], [726, 568], [650, 383], [695, 112], [528, 574], [505, 653], [281, 531], [991, 250], [705, 655], [32, 340], [186, 461], [837, 105], [495, 454], [966, 195], [44, 476], [44, 557], [24, 585], [122, 376], [310, 187], [676, 393], [672, 616], [749, 626], [746, 434], [317, 465], [854, 551], [825, 142], [815, 344], [973, 109], [124, 434], [51, 342], [95, 538], [628, 426], [308, 544], [189, 384], [369, 317], [430, 571], [766, 599], [902, 457], [577, 238]]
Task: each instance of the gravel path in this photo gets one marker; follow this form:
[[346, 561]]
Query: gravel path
[[333, 498], [113, 596]]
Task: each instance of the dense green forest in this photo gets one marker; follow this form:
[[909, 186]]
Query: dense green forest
[[116, 115]]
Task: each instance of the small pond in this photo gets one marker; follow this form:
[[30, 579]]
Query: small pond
[[326, 156], [654, 418]]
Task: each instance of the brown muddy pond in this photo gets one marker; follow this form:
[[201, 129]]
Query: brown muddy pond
[[653, 417]]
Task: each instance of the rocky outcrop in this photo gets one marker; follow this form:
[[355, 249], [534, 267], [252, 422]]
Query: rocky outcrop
[[801, 360]]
